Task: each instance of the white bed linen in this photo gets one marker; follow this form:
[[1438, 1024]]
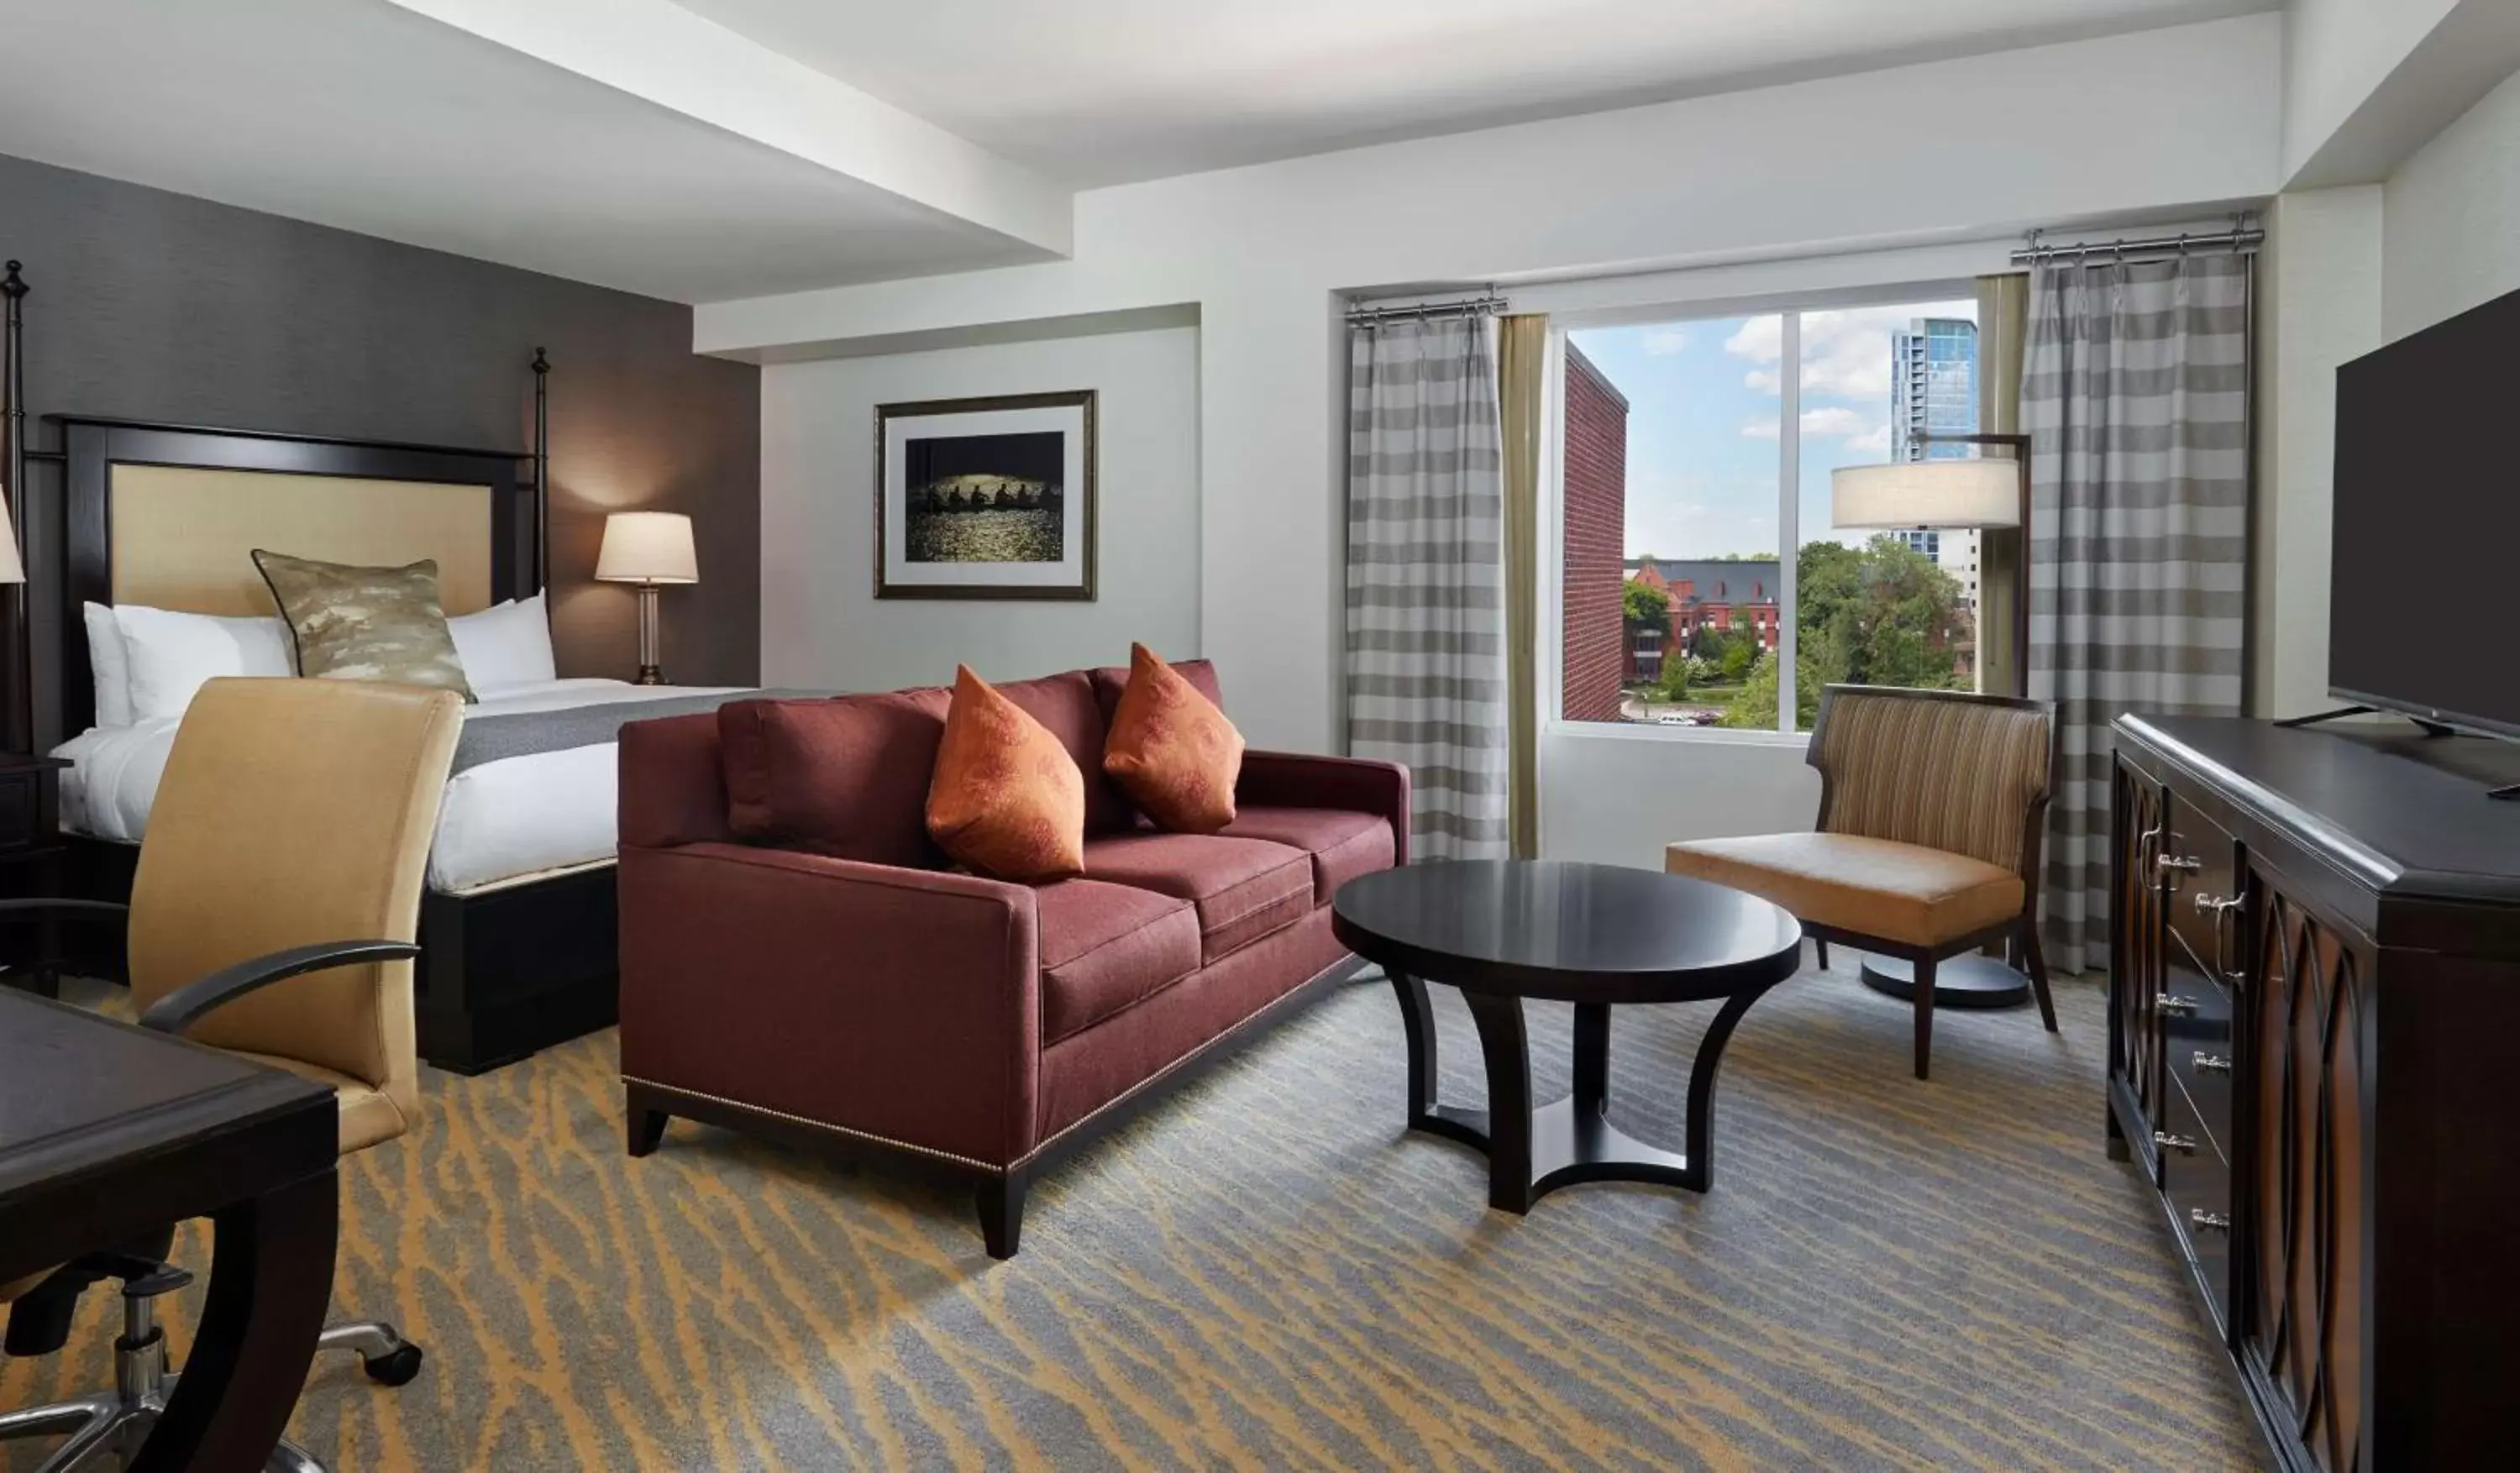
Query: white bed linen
[[518, 816]]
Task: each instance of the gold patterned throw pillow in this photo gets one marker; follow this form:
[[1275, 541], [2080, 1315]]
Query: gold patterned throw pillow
[[365, 623]]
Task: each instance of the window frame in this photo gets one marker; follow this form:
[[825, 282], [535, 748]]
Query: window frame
[[1680, 311]]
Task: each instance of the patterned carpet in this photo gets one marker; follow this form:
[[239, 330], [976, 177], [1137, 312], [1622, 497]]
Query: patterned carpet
[[1266, 1274]]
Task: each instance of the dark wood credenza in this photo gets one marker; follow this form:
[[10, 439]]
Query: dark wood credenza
[[2315, 1057]]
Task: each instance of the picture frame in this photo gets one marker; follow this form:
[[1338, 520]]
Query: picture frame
[[987, 498]]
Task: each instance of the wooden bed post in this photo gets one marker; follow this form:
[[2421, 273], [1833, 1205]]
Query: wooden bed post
[[17, 648], [542, 475]]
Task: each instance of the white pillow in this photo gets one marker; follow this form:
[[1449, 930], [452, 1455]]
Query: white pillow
[[170, 655], [112, 668], [506, 646]]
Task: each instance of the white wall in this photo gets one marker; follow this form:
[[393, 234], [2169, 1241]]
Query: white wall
[[2321, 294], [820, 626], [1786, 171], [2454, 218], [2348, 270], [1616, 798], [2337, 53]]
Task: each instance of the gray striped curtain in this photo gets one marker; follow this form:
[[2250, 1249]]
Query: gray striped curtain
[[1425, 585], [2137, 401]]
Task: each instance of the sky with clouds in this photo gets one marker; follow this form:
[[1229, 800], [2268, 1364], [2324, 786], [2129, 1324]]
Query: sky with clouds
[[1704, 411]]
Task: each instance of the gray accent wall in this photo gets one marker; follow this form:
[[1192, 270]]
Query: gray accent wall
[[150, 305]]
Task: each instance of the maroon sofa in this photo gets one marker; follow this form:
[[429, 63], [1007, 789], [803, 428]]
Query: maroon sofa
[[798, 960]]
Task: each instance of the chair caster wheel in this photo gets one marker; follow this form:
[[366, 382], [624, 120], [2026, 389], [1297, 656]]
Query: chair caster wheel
[[395, 1369]]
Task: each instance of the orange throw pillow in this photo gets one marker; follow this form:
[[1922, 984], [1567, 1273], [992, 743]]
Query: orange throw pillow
[[1007, 799], [1171, 750]]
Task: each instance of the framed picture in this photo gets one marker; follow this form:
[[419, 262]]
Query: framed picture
[[985, 498]]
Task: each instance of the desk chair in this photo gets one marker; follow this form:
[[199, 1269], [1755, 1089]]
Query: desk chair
[[293, 813], [1932, 808]]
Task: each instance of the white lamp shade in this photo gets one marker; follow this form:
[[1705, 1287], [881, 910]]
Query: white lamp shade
[[647, 547], [1927, 494], [11, 569]]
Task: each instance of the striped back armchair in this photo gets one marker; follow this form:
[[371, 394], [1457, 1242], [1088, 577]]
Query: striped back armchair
[[1942, 769]]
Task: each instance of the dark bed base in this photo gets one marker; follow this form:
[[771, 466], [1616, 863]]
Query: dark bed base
[[998, 1193], [501, 975]]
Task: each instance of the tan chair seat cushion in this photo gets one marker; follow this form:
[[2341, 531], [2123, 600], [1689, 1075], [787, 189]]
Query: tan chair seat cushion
[[1872, 888], [369, 1116]]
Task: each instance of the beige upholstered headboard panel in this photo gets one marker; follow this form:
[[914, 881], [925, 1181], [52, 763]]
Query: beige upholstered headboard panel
[[184, 538]]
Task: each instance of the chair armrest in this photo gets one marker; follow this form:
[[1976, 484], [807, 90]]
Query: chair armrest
[[36, 907], [895, 1002], [184, 1006], [1303, 779]]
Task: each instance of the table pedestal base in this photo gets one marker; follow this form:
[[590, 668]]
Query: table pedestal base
[[1533, 1151]]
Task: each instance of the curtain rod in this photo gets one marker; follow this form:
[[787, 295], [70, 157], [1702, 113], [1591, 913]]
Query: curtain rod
[[1476, 306], [2096, 252]]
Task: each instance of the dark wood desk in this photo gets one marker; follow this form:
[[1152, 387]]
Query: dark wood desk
[[31, 863], [108, 1132]]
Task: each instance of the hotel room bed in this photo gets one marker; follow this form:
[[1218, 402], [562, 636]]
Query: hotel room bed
[[506, 819], [519, 925]]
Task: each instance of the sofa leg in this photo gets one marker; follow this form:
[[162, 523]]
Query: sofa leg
[[645, 1124], [1001, 1204]]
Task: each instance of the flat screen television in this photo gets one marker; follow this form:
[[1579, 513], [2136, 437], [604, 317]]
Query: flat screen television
[[2424, 609]]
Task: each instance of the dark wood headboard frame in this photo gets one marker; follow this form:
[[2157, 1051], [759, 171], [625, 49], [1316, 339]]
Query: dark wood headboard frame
[[67, 535], [83, 542]]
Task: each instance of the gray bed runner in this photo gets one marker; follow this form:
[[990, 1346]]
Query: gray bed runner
[[521, 733]]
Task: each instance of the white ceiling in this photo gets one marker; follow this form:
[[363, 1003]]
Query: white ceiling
[[360, 114], [1106, 91], [709, 150]]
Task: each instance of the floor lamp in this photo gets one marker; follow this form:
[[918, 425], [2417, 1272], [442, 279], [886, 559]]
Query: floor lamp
[[1959, 495]]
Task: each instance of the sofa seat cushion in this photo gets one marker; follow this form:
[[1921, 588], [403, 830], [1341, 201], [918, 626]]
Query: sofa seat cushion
[[1106, 947], [1871, 887], [1342, 842], [1242, 889]]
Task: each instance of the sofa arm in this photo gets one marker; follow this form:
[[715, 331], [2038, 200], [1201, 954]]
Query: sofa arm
[[1301, 780], [898, 1004]]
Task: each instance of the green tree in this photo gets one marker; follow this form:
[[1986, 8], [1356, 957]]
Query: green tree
[[1880, 614], [1643, 604]]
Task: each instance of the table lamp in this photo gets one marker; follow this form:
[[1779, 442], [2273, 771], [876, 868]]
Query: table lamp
[[648, 550], [1937, 495]]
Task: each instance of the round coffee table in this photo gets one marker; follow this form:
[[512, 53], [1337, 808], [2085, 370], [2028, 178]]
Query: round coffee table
[[1593, 935]]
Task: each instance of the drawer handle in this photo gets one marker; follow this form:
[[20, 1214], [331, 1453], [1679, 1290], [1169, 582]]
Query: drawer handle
[[2174, 1004], [2186, 1146], [2184, 865], [2211, 1063], [2210, 1221], [2218, 909]]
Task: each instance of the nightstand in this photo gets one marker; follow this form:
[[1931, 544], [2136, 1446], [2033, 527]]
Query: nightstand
[[30, 865]]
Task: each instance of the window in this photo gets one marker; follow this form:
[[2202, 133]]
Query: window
[[1696, 451]]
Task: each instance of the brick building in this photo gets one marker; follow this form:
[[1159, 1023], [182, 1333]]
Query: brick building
[[1705, 595], [1597, 520]]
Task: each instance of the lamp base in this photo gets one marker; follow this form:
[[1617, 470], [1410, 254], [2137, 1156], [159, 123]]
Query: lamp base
[[650, 673], [1965, 981]]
